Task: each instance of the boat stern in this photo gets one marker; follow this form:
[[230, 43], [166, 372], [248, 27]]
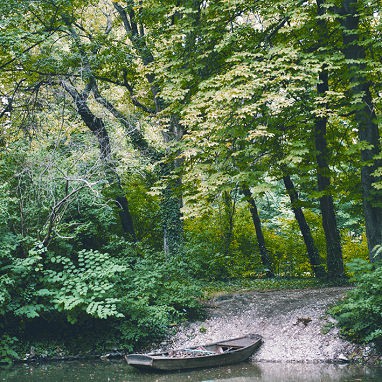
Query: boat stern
[[139, 360]]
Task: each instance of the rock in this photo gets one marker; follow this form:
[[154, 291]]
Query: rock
[[343, 359]]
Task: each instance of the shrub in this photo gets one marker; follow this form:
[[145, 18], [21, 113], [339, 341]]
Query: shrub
[[84, 285], [121, 301], [7, 354], [359, 315], [157, 294]]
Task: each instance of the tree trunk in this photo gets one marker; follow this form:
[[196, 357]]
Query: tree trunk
[[366, 121], [136, 136], [329, 221], [229, 212], [313, 255], [98, 128], [264, 254], [171, 205], [124, 214], [171, 202]]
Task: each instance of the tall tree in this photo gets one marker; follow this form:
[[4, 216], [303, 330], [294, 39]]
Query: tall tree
[[360, 95], [314, 257], [264, 253], [135, 28], [97, 126], [329, 221]]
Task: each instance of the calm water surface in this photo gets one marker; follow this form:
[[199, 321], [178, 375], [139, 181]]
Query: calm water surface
[[245, 372]]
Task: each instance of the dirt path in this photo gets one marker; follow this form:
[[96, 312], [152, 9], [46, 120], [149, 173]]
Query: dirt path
[[293, 323]]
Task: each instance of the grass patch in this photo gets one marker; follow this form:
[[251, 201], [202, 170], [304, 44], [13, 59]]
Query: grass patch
[[215, 288]]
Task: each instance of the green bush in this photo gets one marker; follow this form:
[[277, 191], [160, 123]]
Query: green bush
[[7, 354], [84, 285], [127, 300], [157, 294], [359, 315], [354, 246], [204, 251]]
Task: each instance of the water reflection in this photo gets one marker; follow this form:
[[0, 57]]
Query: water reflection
[[245, 372]]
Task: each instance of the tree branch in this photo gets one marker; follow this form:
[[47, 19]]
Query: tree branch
[[10, 99], [52, 219], [26, 50], [137, 138]]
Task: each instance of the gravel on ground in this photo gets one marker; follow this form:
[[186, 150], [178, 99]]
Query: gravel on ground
[[294, 324]]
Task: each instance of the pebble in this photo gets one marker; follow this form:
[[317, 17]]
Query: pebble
[[273, 315]]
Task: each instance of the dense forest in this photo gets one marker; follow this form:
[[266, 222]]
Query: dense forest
[[149, 147]]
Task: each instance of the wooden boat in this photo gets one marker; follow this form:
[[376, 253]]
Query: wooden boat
[[220, 353]]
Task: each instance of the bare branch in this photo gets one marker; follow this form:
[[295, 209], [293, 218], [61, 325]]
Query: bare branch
[[54, 216]]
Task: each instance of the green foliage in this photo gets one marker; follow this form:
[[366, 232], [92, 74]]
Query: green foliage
[[287, 246], [203, 250], [234, 88], [137, 298], [209, 259], [354, 247], [289, 254], [90, 277], [359, 315], [19, 278], [213, 252], [7, 354], [84, 285], [252, 284], [158, 293]]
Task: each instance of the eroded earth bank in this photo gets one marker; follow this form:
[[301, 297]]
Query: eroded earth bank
[[294, 324]]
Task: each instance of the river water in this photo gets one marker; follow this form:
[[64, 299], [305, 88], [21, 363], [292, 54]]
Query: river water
[[118, 371]]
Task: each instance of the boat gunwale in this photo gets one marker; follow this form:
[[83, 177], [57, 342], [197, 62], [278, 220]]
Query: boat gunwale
[[158, 357]]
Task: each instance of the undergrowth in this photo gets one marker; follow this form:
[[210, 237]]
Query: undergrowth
[[359, 315], [277, 283]]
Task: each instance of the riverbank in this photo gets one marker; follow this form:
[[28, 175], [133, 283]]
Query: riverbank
[[294, 324]]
